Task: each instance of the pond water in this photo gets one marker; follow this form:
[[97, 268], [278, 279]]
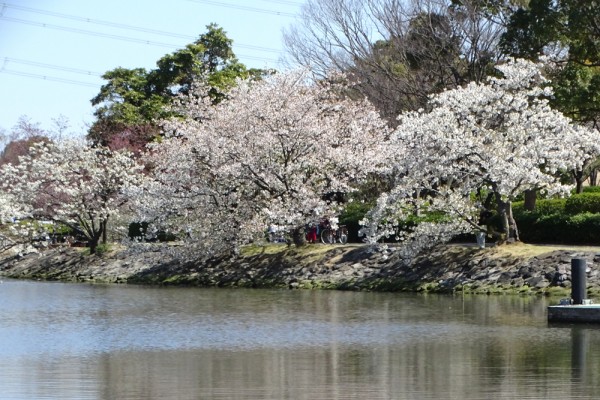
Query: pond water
[[77, 341]]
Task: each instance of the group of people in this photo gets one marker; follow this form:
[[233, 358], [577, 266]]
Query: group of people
[[314, 229]]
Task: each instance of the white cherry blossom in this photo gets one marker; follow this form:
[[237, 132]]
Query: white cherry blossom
[[274, 152], [498, 138], [70, 183]]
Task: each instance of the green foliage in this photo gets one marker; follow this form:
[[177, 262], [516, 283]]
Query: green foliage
[[137, 230], [102, 249], [54, 229], [126, 98], [137, 97], [591, 189], [408, 224], [568, 29], [531, 29], [583, 203], [61, 229], [356, 211], [351, 216], [577, 91], [589, 201], [163, 236], [414, 220], [211, 57], [574, 229], [575, 220], [543, 206], [571, 23]]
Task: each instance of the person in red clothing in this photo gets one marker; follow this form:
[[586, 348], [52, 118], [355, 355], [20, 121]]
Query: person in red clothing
[[311, 233]]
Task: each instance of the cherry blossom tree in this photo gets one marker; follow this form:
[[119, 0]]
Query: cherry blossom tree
[[275, 152], [10, 211], [70, 183], [477, 146]]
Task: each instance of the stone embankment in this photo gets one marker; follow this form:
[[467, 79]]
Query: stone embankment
[[450, 268]]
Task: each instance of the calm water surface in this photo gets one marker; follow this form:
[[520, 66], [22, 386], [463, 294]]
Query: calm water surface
[[75, 341]]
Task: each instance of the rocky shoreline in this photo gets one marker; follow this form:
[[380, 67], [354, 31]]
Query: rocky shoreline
[[446, 269]]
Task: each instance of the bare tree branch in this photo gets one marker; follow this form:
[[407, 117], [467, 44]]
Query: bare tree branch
[[398, 51]]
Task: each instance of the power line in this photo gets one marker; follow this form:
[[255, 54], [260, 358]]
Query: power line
[[111, 36], [96, 21], [6, 60], [284, 2], [50, 66], [245, 8], [123, 26], [48, 78], [86, 32]]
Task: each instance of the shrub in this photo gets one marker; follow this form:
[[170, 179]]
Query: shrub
[[582, 228], [575, 220], [542, 207], [137, 230], [591, 189], [550, 206], [102, 249], [525, 219], [352, 214], [164, 236], [583, 203]]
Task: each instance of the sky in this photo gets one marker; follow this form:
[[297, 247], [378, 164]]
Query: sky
[[53, 52]]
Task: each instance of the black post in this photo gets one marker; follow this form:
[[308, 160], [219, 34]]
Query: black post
[[578, 275]]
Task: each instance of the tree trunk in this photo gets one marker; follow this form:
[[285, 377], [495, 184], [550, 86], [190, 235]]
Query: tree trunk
[[593, 177], [579, 178], [103, 227], [530, 199], [93, 244], [417, 209], [509, 226], [95, 239]]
